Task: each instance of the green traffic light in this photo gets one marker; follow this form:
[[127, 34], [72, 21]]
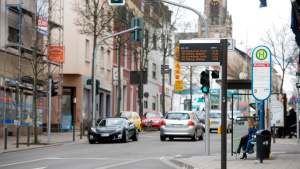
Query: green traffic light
[[204, 89], [117, 1]]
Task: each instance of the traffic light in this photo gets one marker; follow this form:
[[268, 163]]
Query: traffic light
[[215, 74], [204, 80], [116, 2], [54, 88], [97, 87], [137, 35]]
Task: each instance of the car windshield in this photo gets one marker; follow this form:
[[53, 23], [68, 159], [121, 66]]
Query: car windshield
[[152, 115], [237, 113], [112, 122], [126, 115], [200, 113], [215, 115], [178, 116]]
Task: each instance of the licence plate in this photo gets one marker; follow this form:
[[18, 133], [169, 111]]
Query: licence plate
[[104, 135], [176, 125]]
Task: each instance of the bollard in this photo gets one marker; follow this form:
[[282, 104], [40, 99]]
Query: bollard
[[80, 130], [17, 145], [28, 136], [5, 139], [148, 125], [151, 125], [273, 133], [73, 131]]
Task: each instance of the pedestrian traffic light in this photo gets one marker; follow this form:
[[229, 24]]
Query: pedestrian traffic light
[[204, 80], [97, 87], [137, 35], [54, 88], [116, 2], [215, 74]]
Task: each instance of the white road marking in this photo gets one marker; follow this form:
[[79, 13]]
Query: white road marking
[[21, 162], [126, 162], [40, 168]]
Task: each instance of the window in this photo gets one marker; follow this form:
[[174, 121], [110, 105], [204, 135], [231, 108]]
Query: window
[[153, 102], [13, 34], [86, 8], [85, 104], [154, 70], [135, 115], [86, 50], [154, 42], [132, 59], [169, 48], [108, 60], [102, 57], [170, 76], [131, 98], [117, 52], [145, 104], [151, 12], [146, 38], [143, 7], [125, 56]]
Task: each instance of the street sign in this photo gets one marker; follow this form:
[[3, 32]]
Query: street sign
[[166, 66], [177, 71], [201, 52], [178, 82], [178, 88], [230, 44], [298, 85], [99, 76], [177, 77], [293, 98], [261, 73]]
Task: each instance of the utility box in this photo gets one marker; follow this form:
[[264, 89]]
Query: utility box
[[263, 143]]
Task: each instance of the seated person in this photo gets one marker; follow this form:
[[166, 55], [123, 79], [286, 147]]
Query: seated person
[[249, 148]]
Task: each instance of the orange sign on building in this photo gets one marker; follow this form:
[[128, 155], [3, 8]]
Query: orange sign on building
[[57, 54]]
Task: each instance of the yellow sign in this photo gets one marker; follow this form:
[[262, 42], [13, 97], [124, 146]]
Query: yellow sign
[[177, 77], [177, 49], [177, 71], [176, 61], [178, 88], [177, 66], [178, 82]]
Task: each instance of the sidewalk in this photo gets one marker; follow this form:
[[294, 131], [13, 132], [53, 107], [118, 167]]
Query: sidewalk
[[56, 139], [277, 161]]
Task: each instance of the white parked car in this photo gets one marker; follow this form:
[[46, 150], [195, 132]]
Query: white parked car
[[215, 119]]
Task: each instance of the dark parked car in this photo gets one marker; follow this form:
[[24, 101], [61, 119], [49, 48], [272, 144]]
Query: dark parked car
[[110, 129]]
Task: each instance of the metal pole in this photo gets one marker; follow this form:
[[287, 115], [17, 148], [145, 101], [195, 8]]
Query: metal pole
[[49, 107], [261, 120], [28, 136], [192, 9], [5, 138], [73, 131], [94, 65], [80, 130], [207, 127], [17, 145], [274, 133], [224, 105], [232, 122], [297, 111]]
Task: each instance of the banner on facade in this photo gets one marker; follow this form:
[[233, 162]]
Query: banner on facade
[[42, 10], [57, 54]]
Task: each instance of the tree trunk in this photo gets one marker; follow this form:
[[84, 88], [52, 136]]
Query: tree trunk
[[36, 89], [163, 85]]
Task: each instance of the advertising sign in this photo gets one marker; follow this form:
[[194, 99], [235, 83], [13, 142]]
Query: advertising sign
[[42, 10], [202, 52], [277, 110], [261, 73], [57, 54]]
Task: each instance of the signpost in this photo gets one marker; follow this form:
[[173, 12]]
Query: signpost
[[261, 77]]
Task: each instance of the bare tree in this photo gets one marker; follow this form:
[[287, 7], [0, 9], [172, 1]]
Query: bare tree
[[283, 48]]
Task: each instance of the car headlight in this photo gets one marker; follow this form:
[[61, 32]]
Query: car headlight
[[238, 118], [119, 130], [156, 121], [93, 130]]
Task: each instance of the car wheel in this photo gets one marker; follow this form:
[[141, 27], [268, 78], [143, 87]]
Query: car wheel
[[162, 138], [195, 137], [171, 138], [125, 137], [200, 137], [92, 141], [136, 135]]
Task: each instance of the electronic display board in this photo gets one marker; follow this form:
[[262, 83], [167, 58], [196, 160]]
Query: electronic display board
[[204, 52]]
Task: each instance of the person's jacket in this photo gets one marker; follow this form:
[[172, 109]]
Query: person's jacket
[[251, 132]]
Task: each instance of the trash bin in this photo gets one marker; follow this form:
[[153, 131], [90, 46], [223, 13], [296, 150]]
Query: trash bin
[[263, 143]]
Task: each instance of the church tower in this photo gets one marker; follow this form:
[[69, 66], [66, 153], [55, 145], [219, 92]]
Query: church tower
[[218, 20]]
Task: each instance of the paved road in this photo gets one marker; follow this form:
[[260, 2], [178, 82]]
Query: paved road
[[148, 152]]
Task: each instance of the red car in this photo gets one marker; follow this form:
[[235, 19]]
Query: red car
[[154, 116]]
